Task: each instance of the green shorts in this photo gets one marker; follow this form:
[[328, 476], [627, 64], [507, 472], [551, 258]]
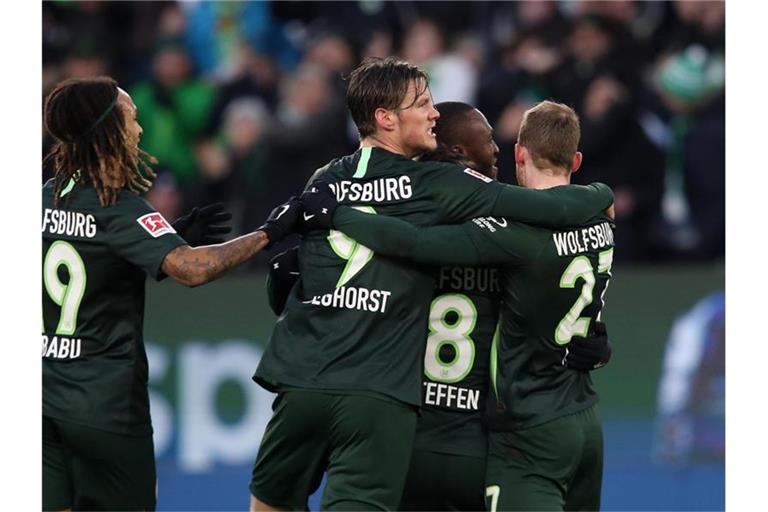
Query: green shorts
[[363, 443], [441, 481], [554, 466], [90, 469]]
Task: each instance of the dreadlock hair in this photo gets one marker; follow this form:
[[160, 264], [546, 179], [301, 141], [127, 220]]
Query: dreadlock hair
[[449, 129], [92, 141]]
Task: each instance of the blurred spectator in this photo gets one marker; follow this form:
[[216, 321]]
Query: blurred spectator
[[232, 166], [165, 196], [173, 107], [256, 76], [702, 22], [528, 73], [645, 77], [691, 88], [691, 399], [309, 130], [451, 76], [215, 29]]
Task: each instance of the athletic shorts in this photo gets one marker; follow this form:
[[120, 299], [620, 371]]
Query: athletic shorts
[[363, 443], [441, 481], [554, 466], [90, 469]]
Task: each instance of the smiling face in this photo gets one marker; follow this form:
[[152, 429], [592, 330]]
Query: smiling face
[[478, 145], [415, 121]]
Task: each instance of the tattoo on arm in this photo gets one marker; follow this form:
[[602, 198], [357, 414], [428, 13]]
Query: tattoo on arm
[[193, 266]]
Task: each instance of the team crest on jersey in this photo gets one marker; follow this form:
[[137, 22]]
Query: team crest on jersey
[[155, 224], [477, 175]]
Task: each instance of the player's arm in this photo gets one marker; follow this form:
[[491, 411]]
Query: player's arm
[[468, 194], [194, 266], [283, 273], [463, 244], [554, 207], [446, 245]]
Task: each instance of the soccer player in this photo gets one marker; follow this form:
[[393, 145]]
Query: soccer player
[[447, 467], [545, 445], [345, 357], [99, 240]]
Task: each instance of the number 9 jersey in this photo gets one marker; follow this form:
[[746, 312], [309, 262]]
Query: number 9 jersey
[[94, 264]]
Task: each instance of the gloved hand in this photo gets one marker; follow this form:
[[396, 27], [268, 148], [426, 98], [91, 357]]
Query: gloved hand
[[282, 221], [204, 226], [283, 274], [590, 353], [319, 203]]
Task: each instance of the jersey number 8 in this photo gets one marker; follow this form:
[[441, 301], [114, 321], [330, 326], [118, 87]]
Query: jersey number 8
[[456, 334]]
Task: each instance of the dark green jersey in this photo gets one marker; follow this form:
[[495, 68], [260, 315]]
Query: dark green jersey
[[94, 265], [552, 284], [462, 322], [356, 324]]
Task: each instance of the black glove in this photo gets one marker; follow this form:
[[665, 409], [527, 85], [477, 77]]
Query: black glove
[[282, 221], [203, 226], [590, 353], [319, 203], [283, 274]]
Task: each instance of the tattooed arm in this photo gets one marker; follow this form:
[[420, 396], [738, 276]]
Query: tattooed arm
[[193, 266]]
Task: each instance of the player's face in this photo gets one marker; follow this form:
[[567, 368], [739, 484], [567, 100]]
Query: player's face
[[416, 122], [132, 126], [479, 147]]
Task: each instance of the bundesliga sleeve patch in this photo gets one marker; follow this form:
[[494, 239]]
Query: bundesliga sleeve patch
[[477, 175], [155, 224]]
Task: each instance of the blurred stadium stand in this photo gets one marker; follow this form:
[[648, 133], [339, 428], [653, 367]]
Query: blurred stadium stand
[[242, 101]]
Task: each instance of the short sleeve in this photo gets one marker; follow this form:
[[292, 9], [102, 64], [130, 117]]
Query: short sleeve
[[141, 235]]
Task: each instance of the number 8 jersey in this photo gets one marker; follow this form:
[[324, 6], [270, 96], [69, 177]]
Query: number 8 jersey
[[94, 264], [462, 323]]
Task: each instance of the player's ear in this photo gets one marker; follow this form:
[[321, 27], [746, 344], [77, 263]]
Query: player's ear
[[385, 118], [456, 148], [520, 153], [576, 162]]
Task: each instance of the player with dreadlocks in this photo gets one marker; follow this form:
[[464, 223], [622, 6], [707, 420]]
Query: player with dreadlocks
[[99, 240]]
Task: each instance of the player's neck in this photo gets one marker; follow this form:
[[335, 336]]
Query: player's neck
[[384, 143], [541, 179]]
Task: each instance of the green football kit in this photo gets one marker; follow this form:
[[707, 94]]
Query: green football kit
[[95, 372], [355, 324], [553, 282], [447, 468]]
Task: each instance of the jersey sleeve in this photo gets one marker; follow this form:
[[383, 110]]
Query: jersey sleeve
[[556, 207], [466, 194], [477, 242], [141, 235]]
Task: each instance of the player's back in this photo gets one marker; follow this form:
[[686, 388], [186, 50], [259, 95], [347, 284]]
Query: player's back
[[462, 322], [94, 363], [357, 322], [552, 290]]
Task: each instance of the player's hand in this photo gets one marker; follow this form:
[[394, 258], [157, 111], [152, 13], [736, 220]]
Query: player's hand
[[319, 203], [283, 221], [204, 226], [283, 274], [590, 353]]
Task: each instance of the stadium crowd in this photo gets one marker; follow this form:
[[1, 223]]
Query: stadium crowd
[[242, 101]]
